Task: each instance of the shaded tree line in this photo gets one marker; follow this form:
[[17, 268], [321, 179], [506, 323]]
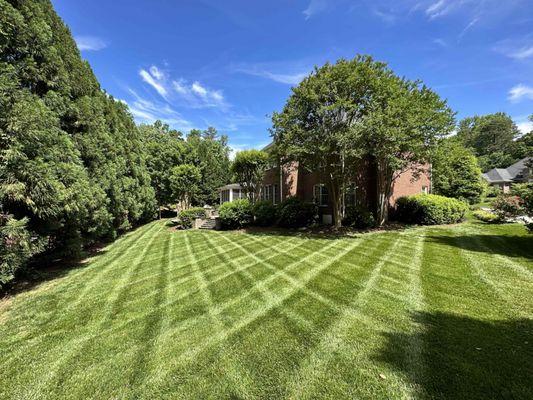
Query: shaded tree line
[[74, 167]]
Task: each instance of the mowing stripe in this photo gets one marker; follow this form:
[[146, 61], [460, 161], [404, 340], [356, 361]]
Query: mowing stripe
[[191, 354], [58, 369], [35, 340], [500, 293], [315, 365], [414, 352]]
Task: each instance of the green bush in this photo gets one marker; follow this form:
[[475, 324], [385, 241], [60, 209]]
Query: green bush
[[358, 217], [525, 192], [294, 213], [430, 209], [486, 216], [265, 213], [186, 217], [507, 206], [236, 214], [16, 247]]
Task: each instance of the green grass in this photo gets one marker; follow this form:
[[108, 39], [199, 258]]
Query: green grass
[[442, 312]]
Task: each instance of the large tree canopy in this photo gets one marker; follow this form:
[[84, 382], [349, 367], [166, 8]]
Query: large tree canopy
[[455, 171], [72, 164], [358, 108], [492, 139], [248, 169]]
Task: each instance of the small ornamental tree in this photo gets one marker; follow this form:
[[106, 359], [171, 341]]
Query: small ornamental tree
[[248, 168], [185, 181], [358, 108]]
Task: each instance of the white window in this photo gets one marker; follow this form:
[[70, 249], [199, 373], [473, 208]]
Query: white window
[[270, 193], [321, 195], [425, 189], [350, 195]]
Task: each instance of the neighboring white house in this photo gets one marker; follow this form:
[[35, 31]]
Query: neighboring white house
[[231, 192], [502, 178]]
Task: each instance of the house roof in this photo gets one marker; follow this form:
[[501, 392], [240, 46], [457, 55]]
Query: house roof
[[509, 174], [230, 186]]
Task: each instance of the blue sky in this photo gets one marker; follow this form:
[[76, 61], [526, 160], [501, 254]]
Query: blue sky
[[230, 64]]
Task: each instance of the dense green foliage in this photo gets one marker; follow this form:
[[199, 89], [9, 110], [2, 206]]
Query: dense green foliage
[[16, 247], [295, 213], [493, 138], [71, 157], [186, 217], [455, 171], [209, 152], [356, 109], [165, 148], [236, 214], [265, 213], [185, 184], [248, 169], [160, 314], [358, 217], [430, 209]]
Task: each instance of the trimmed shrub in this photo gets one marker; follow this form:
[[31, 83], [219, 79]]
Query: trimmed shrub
[[265, 213], [186, 217], [507, 206], [525, 192], [294, 213], [236, 214], [358, 217], [486, 216], [430, 209]]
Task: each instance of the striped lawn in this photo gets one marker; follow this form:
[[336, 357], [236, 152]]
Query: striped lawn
[[442, 312]]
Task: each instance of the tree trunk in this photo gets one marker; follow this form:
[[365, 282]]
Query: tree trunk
[[383, 186], [336, 202]]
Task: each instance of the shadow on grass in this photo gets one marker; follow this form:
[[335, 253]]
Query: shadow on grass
[[320, 232], [465, 358], [505, 245]]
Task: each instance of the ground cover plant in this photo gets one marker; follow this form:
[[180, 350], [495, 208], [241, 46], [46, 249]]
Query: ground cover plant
[[427, 312]]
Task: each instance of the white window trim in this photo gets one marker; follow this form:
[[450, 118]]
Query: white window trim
[[318, 200]]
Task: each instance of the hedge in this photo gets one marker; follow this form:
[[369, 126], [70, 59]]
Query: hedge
[[294, 213], [265, 213], [236, 214], [358, 217], [430, 209]]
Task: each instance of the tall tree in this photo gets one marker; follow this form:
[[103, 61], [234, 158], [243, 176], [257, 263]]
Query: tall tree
[[185, 183], [356, 108], [455, 171], [248, 168], [491, 137], [71, 157], [209, 151], [165, 149]]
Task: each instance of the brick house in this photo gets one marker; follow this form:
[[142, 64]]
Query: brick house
[[282, 181]]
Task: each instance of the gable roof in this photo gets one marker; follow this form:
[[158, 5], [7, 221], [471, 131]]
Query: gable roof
[[508, 174]]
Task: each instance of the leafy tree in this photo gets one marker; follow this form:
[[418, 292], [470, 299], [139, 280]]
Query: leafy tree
[[185, 183], [358, 108], [71, 158], [248, 168], [455, 172], [491, 137], [165, 149], [210, 153]]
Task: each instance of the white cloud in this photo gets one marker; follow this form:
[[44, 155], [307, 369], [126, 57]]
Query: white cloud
[[525, 127], [197, 88], [522, 53], [235, 148], [518, 48], [520, 92], [440, 42], [468, 27], [439, 8], [314, 7], [90, 43], [385, 16], [156, 73], [153, 80], [289, 79], [146, 111]]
